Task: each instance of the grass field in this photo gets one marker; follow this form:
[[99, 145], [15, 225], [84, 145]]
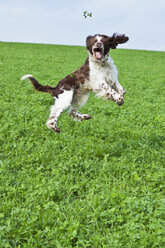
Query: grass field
[[100, 182]]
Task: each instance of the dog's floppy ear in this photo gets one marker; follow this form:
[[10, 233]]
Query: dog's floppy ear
[[89, 37], [88, 42], [117, 39]]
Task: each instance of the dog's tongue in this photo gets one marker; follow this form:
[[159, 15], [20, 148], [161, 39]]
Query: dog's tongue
[[98, 55]]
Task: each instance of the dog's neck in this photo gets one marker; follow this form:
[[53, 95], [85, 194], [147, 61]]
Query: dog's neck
[[102, 62]]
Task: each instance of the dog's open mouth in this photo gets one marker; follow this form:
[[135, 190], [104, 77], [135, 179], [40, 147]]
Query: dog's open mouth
[[98, 53]]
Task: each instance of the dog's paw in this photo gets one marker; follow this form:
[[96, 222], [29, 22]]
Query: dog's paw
[[124, 91], [120, 102], [53, 126], [87, 117], [119, 99], [56, 129]]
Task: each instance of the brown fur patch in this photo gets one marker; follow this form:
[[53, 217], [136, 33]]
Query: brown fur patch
[[72, 81]]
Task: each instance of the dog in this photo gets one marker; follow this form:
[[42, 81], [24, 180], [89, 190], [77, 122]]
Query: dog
[[97, 74]]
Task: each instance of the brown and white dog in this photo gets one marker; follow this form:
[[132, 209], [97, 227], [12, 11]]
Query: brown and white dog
[[97, 74]]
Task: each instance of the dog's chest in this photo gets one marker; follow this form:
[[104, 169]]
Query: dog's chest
[[100, 74]]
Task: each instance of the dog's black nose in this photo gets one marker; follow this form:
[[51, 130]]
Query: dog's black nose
[[99, 44]]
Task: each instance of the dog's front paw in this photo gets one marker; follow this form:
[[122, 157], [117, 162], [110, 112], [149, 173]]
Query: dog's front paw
[[122, 92], [121, 102], [119, 99]]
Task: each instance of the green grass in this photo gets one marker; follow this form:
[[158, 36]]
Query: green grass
[[100, 182]]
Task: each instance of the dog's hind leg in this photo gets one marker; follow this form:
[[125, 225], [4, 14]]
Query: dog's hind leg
[[80, 117], [61, 103], [78, 101]]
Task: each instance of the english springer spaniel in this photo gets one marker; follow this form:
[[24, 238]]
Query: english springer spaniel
[[97, 74]]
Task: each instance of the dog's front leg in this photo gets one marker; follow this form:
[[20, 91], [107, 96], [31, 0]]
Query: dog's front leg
[[117, 87], [107, 92]]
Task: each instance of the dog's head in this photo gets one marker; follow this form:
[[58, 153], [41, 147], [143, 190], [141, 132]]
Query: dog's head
[[99, 45]]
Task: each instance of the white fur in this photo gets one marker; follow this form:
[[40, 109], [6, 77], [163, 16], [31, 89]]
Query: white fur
[[102, 73], [26, 76], [98, 38], [61, 103]]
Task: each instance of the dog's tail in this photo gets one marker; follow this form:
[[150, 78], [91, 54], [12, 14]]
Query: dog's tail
[[37, 85]]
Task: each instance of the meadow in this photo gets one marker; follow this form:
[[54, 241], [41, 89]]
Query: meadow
[[99, 183]]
